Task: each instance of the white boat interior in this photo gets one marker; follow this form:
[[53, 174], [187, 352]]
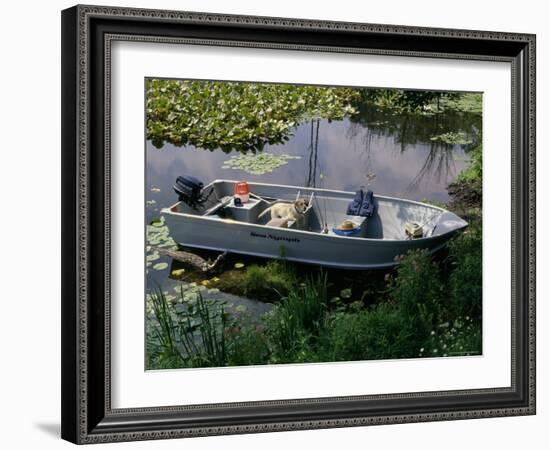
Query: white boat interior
[[326, 209]]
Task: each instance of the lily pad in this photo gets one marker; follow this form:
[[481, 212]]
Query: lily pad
[[239, 265], [152, 257], [237, 116], [178, 272], [258, 164], [160, 266]]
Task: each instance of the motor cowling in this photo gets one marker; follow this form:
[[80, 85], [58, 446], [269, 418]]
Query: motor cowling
[[189, 190]]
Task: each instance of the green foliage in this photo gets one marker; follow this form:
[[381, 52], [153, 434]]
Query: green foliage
[[248, 345], [466, 189], [258, 164], [423, 312], [194, 336], [462, 337], [402, 101], [465, 281], [162, 343], [468, 102], [157, 235], [375, 333], [473, 172], [452, 138], [275, 275], [417, 291], [236, 116], [295, 323]]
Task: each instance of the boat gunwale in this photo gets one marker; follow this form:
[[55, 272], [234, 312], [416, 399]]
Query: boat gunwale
[[168, 211]]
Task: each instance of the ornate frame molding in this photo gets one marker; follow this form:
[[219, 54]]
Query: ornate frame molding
[[80, 418]]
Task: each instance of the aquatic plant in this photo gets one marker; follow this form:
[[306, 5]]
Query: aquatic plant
[[193, 336], [157, 235], [162, 338], [405, 101], [453, 138], [277, 276], [466, 102], [234, 115], [258, 164]]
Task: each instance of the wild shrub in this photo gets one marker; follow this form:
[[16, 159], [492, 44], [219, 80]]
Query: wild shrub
[[247, 344], [416, 290], [465, 280]]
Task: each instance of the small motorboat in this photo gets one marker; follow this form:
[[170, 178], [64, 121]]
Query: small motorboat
[[210, 217]]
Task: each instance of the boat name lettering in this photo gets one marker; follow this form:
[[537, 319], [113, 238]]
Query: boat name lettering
[[275, 238]]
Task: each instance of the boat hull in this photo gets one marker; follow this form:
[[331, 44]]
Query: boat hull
[[297, 245]]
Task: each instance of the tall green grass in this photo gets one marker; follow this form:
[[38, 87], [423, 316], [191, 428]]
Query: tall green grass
[[296, 322], [424, 311], [191, 337]]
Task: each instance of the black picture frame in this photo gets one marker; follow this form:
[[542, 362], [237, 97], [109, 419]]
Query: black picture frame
[[87, 416]]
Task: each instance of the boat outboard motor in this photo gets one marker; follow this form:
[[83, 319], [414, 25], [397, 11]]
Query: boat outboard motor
[[189, 190]]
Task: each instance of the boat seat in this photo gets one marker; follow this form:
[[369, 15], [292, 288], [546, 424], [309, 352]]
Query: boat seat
[[359, 220]]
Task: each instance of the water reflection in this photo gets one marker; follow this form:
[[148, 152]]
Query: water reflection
[[338, 155], [392, 154]]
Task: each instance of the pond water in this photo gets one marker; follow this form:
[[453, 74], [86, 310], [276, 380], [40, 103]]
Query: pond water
[[391, 154]]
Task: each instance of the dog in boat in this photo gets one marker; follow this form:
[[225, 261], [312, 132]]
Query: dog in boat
[[282, 213]]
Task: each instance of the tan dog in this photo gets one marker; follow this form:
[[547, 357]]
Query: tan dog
[[280, 223], [290, 211]]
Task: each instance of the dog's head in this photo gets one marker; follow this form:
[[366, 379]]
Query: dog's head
[[301, 205]]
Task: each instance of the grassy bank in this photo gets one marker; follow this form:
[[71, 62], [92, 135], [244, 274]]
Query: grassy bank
[[427, 308]]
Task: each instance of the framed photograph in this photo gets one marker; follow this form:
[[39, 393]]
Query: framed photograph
[[280, 224]]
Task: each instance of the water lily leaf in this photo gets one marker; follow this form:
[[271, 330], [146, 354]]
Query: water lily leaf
[[178, 272], [160, 266], [245, 116], [239, 265], [152, 257], [257, 164]]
